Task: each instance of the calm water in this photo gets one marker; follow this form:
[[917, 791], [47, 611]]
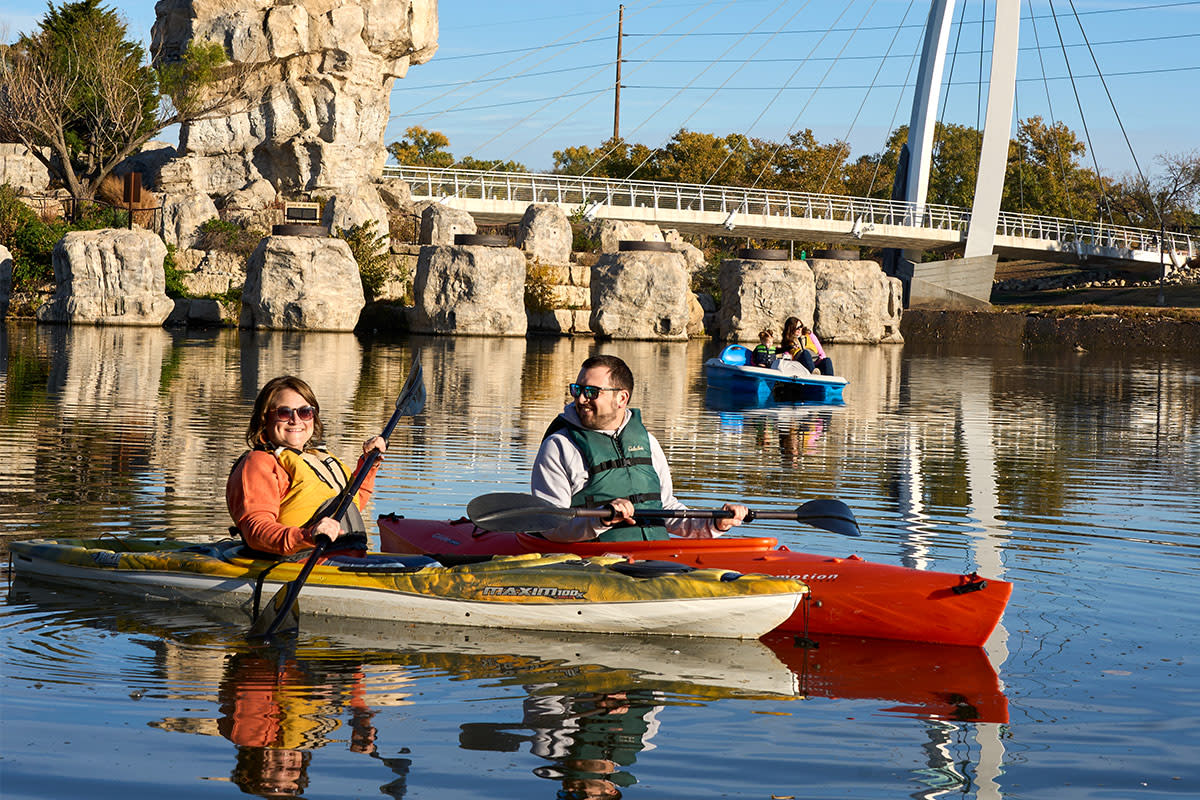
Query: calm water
[[1073, 475]]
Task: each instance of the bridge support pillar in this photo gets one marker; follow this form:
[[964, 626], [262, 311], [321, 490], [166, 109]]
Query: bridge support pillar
[[964, 283]]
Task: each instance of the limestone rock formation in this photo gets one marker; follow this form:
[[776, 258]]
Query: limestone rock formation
[[640, 295], [6, 268], [321, 84], [762, 294], [693, 257], [20, 169], [182, 216], [545, 234], [210, 272], [470, 289], [856, 302], [611, 232], [356, 206], [302, 283], [109, 277], [440, 223]]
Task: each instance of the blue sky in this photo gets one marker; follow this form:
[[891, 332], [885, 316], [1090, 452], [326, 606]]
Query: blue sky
[[519, 81]]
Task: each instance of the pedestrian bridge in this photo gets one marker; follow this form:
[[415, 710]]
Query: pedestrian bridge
[[494, 198]]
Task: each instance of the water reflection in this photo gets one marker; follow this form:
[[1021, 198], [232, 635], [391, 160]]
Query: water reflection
[[589, 706]]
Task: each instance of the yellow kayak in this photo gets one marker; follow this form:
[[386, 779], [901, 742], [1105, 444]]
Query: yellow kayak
[[563, 592]]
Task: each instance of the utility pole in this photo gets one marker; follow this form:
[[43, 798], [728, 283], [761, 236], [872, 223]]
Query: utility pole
[[617, 92]]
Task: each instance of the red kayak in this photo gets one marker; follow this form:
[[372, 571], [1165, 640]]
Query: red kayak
[[848, 596]]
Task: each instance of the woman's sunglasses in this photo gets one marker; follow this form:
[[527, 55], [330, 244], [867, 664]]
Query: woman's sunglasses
[[589, 392], [285, 414]]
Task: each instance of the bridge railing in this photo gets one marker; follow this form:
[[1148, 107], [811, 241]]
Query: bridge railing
[[1094, 234], [584, 192]]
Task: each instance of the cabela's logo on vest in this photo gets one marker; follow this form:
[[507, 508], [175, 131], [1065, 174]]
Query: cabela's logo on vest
[[635, 448]]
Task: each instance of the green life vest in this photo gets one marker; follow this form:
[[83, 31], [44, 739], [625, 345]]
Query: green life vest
[[618, 466]]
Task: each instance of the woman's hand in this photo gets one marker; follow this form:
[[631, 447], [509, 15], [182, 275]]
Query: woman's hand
[[728, 523], [327, 526], [375, 443]]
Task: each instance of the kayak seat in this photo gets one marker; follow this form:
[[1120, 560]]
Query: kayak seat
[[380, 562], [650, 569], [736, 355]]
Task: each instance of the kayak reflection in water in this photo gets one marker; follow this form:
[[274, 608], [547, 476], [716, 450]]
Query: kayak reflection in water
[[590, 738], [277, 712]]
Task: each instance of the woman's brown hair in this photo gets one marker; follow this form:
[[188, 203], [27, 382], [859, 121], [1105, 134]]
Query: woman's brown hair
[[256, 430]]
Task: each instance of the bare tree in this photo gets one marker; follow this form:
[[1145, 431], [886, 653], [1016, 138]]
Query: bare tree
[[85, 101]]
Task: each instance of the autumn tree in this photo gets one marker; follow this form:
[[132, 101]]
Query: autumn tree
[[82, 98], [422, 148], [1170, 199]]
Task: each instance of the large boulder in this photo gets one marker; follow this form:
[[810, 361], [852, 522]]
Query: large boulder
[[440, 224], [182, 216], [611, 232], [318, 77], [693, 257], [6, 268], [640, 295], [22, 170], [856, 302], [302, 283], [210, 272], [545, 234], [255, 206], [109, 277], [356, 206], [470, 289], [759, 294]]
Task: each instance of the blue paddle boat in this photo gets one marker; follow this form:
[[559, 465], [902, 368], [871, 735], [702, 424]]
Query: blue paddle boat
[[785, 380]]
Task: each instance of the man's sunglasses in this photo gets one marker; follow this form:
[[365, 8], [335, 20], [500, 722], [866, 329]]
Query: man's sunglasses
[[285, 414], [589, 392]]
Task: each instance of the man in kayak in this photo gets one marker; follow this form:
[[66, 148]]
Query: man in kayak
[[598, 453]]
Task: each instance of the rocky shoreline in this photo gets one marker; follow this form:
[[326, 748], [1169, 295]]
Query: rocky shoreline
[[1082, 328]]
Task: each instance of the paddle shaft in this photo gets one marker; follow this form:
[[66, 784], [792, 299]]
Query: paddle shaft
[[511, 511], [685, 513]]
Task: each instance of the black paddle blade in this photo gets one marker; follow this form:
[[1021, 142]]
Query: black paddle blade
[[412, 395], [270, 622], [830, 515], [513, 512]]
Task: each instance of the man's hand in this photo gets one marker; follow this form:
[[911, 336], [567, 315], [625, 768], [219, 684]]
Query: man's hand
[[622, 512], [739, 514]]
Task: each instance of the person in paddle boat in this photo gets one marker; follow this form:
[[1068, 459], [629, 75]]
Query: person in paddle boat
[[802, 345], [597, 453], [764, 352], [281, 491]]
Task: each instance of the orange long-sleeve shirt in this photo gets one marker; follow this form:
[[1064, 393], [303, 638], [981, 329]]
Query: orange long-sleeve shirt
[[253, 493]]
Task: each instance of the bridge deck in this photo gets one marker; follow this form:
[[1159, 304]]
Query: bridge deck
[[502, 197]]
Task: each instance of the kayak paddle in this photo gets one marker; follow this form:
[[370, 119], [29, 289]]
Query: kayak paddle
[[525, 513], [271, 619]]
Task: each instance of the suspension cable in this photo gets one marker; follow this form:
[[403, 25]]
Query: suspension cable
[[1120, 124], [867, 95], [811, 95], [1062, 167], [1079, 104], [731, 76]]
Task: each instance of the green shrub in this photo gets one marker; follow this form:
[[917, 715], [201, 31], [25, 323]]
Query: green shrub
[[539, 288], [175, 287], [229, 237], [370, 251]]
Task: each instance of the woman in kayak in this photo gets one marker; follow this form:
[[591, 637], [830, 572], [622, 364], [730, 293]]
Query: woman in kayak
[[281, 490]]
